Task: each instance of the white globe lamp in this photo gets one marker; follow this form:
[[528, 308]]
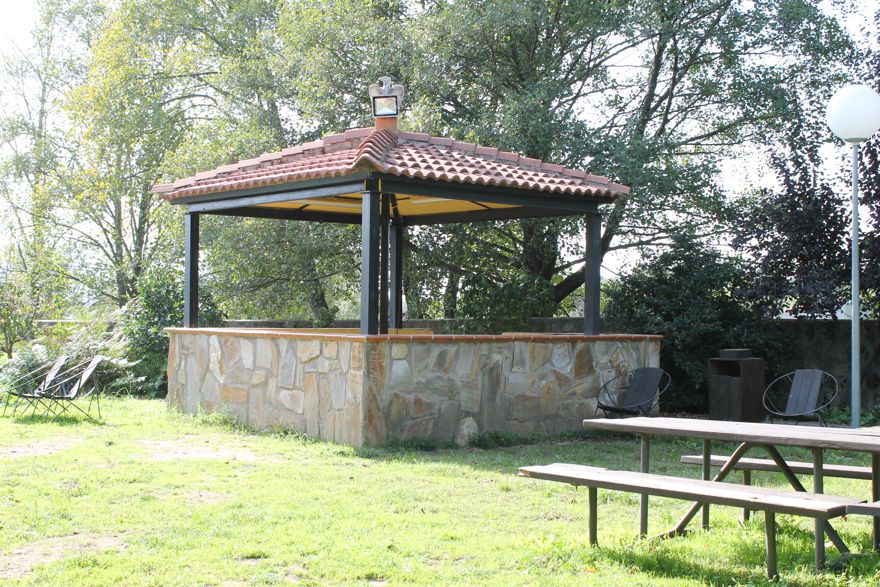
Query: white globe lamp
[[854, 116]]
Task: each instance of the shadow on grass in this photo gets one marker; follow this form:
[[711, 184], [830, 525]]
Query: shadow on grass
[[64, 420], [794, 550], [596, 448]]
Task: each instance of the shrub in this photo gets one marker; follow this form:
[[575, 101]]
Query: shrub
[[159, 304], [688, 294], [25, 370], [112, 376]]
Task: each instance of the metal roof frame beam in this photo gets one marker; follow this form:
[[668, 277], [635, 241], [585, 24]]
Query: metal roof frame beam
[[302, 190], [287, 214], [485, 216], [490, 194]]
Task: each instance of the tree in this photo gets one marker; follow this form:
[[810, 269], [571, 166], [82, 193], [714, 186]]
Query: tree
[[796, 237], [651, 94], [278, 269], [36, 154], [17, 315]]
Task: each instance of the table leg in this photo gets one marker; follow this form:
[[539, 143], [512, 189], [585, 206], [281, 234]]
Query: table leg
[[798, 486], [643, 499], [591, 492], [707, 455], [819, 524], [875, 495], [770, 541], [747, 480], [695, 507]]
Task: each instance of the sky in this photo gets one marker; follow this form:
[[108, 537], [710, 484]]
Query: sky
[[16, 23]]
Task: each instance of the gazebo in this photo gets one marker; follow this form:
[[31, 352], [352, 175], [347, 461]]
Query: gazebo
[[386, 181]]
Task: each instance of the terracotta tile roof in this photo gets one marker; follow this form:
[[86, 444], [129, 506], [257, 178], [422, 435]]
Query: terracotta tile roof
[[411, 155]]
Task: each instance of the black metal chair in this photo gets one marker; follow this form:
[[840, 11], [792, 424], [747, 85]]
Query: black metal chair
[[639, 398], [75, 386], [803, 393]]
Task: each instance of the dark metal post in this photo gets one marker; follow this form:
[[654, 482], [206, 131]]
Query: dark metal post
[[191, 270], [383, 264], [370, 263], [395, 308], [645, 467], [592, 263], [875, 495]]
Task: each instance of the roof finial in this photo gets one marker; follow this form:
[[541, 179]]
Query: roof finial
[[387, 98]]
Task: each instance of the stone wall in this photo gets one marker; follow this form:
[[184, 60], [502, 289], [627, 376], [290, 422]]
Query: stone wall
[[368, 390], [309, 385], [448, 391]]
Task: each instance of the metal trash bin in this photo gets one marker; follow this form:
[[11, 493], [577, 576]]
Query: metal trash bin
[[736, 384]]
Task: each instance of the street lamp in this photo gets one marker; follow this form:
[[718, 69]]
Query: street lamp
[[854, 116]]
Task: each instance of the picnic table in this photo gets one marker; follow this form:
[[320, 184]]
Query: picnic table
[[750, 436]]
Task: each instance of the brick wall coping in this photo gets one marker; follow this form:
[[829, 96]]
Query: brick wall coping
[[440, 338]]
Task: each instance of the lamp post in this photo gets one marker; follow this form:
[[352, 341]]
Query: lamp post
[[854, 116]]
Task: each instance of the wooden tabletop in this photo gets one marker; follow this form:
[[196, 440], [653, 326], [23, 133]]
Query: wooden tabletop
[[776, 434]]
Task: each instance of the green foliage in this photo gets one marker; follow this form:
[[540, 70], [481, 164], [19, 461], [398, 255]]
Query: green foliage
[[25, 371], [842, 416], [273, 269], [690, 295], [17, 313], [158, 305], [544, 79], [491, 307], [490, 440], [118, 96], [795, 237], [113, 376]]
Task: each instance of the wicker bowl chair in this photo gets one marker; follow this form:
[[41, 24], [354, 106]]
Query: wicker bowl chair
[[639, 398], [800, 396]]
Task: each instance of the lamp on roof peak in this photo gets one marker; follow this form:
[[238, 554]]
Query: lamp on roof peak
[[386, 99]]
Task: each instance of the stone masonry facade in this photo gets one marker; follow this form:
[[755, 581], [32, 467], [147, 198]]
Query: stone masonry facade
[[367, 390]]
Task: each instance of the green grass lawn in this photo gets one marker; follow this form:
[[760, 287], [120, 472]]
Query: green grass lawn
[[152, 497]]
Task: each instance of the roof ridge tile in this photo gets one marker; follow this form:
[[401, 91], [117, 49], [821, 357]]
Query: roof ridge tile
[[270, 156], [509, 156], [440, 141], [334, 138], [414, 136]]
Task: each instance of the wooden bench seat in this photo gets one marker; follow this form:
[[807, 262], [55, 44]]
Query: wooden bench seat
[[801, 468], [770, 501], [864, 509]]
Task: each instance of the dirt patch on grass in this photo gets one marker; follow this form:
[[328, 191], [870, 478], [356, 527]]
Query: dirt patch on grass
[[47, 446], [195, 496], [195, 447], [22, 561]]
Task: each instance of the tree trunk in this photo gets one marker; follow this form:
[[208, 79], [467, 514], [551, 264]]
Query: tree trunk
[[450, 296]]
